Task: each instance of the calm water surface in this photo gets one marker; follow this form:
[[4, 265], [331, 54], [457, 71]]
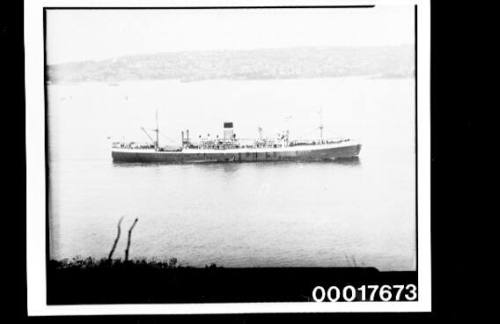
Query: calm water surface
[[236, 215]]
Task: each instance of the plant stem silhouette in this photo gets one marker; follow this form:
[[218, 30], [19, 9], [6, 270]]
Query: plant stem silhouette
[[116, 240], [129, 237]]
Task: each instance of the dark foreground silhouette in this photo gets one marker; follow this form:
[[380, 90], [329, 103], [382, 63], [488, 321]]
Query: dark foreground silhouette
[[139, 281]]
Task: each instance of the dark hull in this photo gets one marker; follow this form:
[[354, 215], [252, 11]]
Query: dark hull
[[315, 153]]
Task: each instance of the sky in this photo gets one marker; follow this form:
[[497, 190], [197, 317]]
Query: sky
[[78, 35]]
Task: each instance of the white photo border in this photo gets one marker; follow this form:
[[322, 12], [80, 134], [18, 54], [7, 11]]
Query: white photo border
[[36, 227]]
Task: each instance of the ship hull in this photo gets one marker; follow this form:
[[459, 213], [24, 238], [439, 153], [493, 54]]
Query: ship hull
[[298, 153]]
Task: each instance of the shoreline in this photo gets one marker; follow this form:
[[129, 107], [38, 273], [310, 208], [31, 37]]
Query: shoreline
[[165, 282]]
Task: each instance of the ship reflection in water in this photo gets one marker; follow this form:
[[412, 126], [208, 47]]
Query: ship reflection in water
[[230, 167]]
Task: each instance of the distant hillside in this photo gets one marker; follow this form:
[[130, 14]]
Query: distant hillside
[[306, 62]]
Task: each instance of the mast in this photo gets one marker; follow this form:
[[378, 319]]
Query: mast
[[157, 130], [321, 125]]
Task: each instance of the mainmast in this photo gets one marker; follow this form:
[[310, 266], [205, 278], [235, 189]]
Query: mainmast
[[157, 130], [321, 125]]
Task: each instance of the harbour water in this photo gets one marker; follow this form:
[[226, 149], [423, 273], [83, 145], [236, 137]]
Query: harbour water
[[356, 213]]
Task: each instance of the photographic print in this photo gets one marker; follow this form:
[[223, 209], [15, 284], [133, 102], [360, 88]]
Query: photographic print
[[227, 154]]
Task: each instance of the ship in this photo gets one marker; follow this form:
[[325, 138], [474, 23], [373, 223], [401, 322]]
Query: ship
[[229, 148]]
